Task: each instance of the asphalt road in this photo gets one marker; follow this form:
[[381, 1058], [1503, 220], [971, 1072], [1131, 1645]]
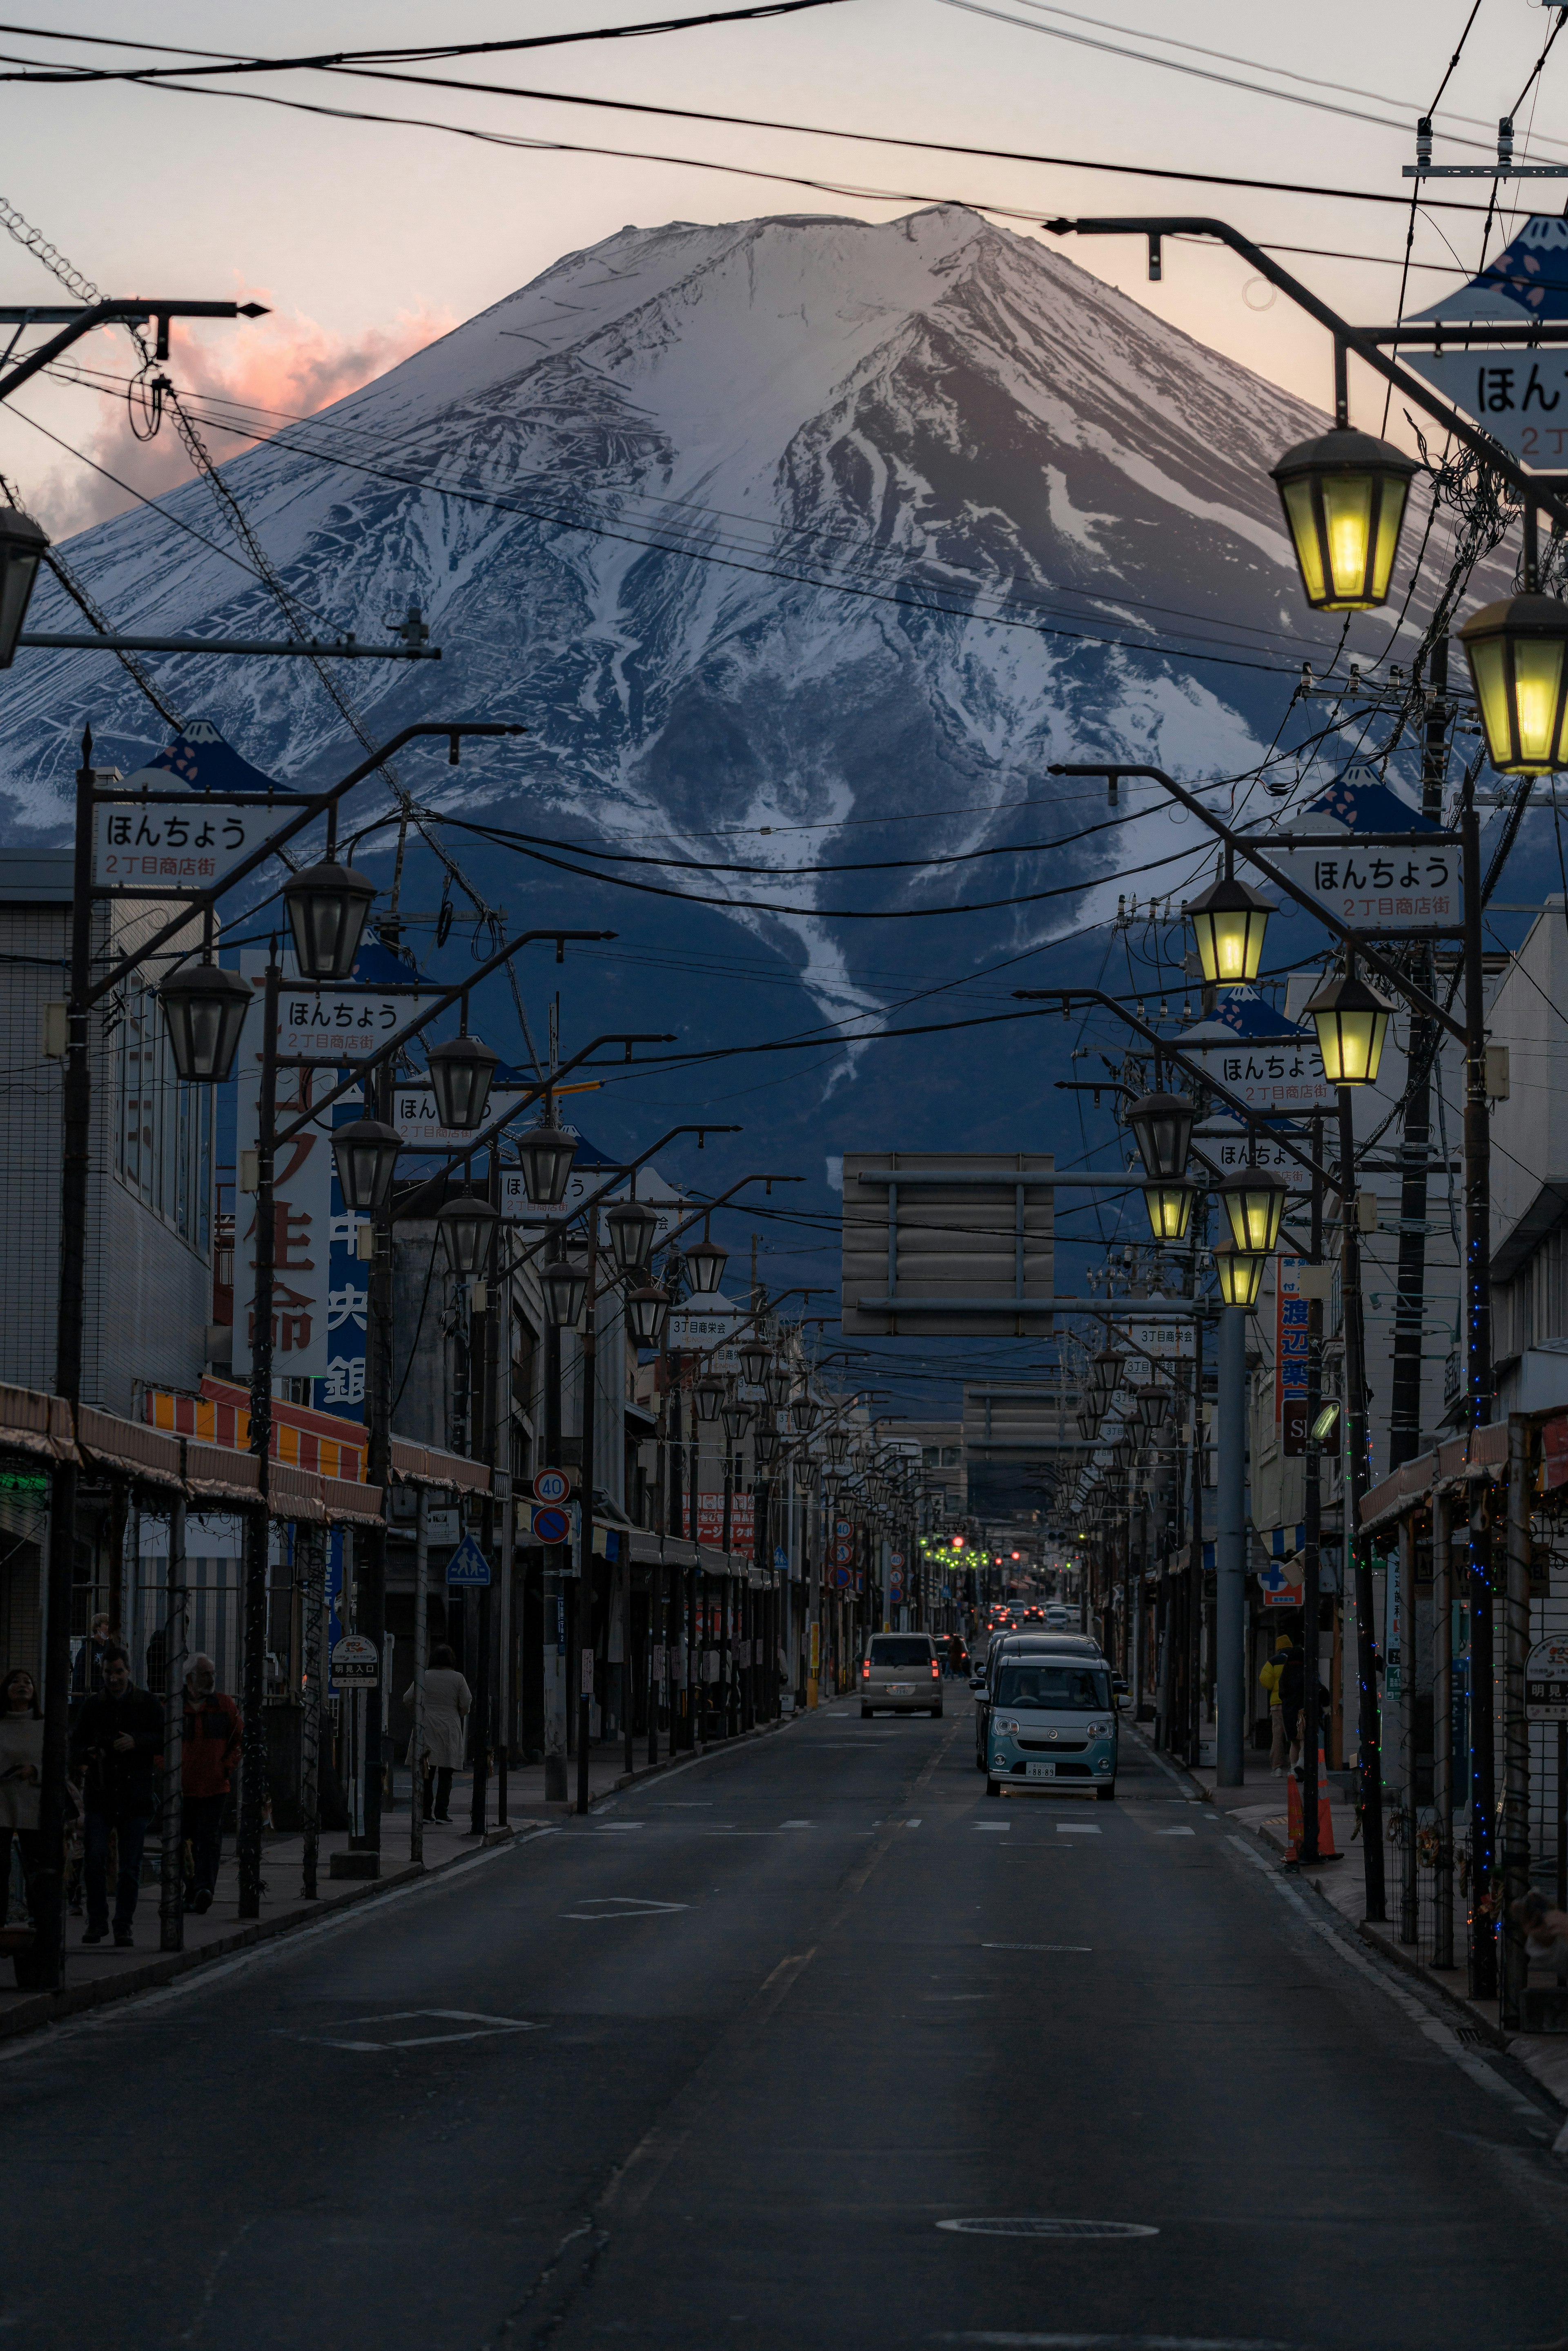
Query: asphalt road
[[725, 2064]]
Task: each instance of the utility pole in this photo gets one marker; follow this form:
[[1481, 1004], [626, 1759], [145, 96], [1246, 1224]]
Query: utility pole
[[1478, 1338], [1414, 1150], [1368, 1737], [1312, 1522], [1230, 1554], [589, 1359], [257, 1525]]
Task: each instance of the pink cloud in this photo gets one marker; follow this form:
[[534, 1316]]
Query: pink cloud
[[254, 375]]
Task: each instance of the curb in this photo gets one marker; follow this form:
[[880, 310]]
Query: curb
[[52, 2007], [700, 1755]]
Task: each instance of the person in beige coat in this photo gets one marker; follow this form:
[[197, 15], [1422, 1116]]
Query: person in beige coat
[[447, 1700]]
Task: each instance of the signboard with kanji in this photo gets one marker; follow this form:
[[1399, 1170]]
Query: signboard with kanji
[[1290, 1356], [414, 1114], [345, 1024], [1546, 1681], [1240, 1047], [307, 1306], [1374, 886]]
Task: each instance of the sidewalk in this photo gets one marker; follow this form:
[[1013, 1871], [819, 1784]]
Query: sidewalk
[[1259, 1806], [99, 1971]]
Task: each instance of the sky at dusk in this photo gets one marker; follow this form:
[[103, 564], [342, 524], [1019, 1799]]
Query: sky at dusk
[[368, 239]]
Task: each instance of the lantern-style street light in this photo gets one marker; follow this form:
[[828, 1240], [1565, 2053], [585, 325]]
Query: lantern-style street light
[[1517, 654], [765, 1443], [1169, 1204], [1105, 1373], [708, 1397], [327, 908], [366, 1153], [1254, 1200], [1228, 920], [565, 1286], [756, 1355], [647, 1310], [776, 1385], [738, 1416], [632, 1227], [705, 1262], [1351, 1021], [1162, 1129], [1343, 496], [1239, 1273], [203, 1010], [838, 1441], [545, 1154], [460, 1075], [21, 545], [467, 1227]]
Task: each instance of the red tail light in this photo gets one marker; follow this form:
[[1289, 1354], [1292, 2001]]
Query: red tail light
[[935, 1670], [866, 1669]]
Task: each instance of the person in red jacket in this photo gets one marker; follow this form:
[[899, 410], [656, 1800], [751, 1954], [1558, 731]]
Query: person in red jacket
[[210, 1751]]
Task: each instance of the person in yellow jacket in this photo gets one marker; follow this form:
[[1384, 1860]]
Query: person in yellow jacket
[[1279, 1738]]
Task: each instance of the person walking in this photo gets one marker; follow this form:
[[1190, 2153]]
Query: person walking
[[117, 1745], [87, 1666], [447, 1700], [1278, 1744], [209, 1755], [21, 1777]]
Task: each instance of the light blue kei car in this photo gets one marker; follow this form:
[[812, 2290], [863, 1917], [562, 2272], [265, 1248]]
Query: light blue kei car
[[1052, 1724]]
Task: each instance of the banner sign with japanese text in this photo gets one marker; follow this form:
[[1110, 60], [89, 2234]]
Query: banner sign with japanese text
[[347, 1023], [710, 1520], [170, 850], [1267, 1074], [414, 1115], [1290, 1356], [1366, 882]]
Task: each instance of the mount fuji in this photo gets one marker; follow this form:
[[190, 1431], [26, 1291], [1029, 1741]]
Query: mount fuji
[[794, 543]]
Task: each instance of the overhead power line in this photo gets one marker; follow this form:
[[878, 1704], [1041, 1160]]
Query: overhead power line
[[325, 61], [784, 179]]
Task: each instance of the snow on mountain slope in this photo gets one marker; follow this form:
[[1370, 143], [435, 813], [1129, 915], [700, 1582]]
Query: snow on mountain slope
[[795, 522]]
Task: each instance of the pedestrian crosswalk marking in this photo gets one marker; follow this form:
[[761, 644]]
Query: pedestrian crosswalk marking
[[1077, 1828], [993, 1824]]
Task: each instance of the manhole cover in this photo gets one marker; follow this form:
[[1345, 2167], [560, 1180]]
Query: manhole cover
[[989, 2227]]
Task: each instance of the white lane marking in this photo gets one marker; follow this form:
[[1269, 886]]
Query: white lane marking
[[992, 1825], [983, 2225], [1442, 2035], [1036, 1946], [1123, 2342], [948, 1996], [794, 1824], [912, 1824], [622, 1906], [1077, 1828], [1176, 1832], [618, 1828], [483, 2029], [275, 1948]]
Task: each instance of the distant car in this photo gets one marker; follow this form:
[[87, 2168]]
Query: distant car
[[1058, 1614], [901, 1673]]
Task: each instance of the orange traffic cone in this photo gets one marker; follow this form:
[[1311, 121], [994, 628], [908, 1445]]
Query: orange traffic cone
[[1327, 1851]]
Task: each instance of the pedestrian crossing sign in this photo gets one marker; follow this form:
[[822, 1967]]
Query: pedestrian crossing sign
[[468, 1566]]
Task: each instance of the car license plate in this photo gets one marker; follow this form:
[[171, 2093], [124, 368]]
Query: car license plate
[[1040, 1771], [899, 1689]]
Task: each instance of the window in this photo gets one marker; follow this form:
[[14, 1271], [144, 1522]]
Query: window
[[949, 1457], [930, 1456], [164, 1148]]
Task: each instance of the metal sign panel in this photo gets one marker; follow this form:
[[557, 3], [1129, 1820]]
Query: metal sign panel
[[1516, 396], [355, 1664], [1265, 1076], [345, 1024], [1374, 885], [413, 1113], [468, 1566], [1546, 1682], [960, 1243]]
